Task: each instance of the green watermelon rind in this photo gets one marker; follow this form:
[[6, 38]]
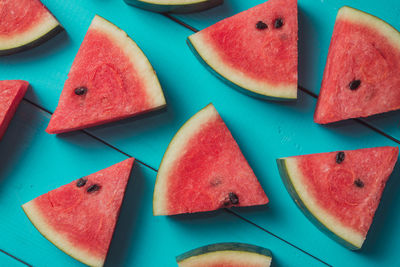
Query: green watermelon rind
[[159, 188], [36, 41], [49, 234], [287, 181], [152, 5], [229, 246], [246, 91]]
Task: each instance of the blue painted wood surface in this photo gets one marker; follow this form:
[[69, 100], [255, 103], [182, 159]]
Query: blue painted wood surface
[[6, 260], [316, 21], [33, 162], [37, 162]]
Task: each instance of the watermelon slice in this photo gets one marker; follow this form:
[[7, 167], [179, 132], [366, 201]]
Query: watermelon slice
[[11, 94], [361, 76], [226, 254], [80, 217], [340, 191], [110, 79], [203, 169], [254, 51], [176, 6], [25, 24]]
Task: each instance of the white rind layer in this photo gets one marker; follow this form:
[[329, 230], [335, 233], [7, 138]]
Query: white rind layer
[[330, 222], [40, 29], [57, 239], [359, 17], [137, 58], [212, 58], [174, 151], [236, 257]]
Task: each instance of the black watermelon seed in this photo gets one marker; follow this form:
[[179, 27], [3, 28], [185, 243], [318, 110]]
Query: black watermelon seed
[[340, 157], [80, 90], [261, 25], [278, 23], [81, 182], [234, 199], [93, 188], [359, 183], [353, 85]]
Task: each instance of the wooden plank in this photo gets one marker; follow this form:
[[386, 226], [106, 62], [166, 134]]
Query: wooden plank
[[9, 261], [33, 162], [316, 21], [46, 67]]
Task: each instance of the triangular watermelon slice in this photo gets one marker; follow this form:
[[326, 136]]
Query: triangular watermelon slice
[[361, 75], [110, 79], [25, 24], [203, 169], [80, 217], [340, 191], [11, 94], [255, 51]]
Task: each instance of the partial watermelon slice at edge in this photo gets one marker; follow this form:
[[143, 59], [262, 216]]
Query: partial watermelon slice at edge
[[371, 56], [119, 79], [205, 145], [175, 6], [222, 46], [56, 213], [230, 254], [11, 94], [43, 27], [302, 193]]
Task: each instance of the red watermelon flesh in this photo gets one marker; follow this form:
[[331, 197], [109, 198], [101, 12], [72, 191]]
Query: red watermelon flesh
[[203, 169], [118, 79], [342, 190], [23, 22], [364, 49], [11, 94], [80, 217], [264, 60], [19, 15]]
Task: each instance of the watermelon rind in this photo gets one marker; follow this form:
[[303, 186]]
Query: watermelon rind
[[175, 6], [43, 31], [360, 17], [58, 240], [235, 79], [233, 252], [174, 150], [292, 179]]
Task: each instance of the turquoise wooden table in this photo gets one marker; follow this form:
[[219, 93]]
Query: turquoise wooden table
[[34, 162]]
